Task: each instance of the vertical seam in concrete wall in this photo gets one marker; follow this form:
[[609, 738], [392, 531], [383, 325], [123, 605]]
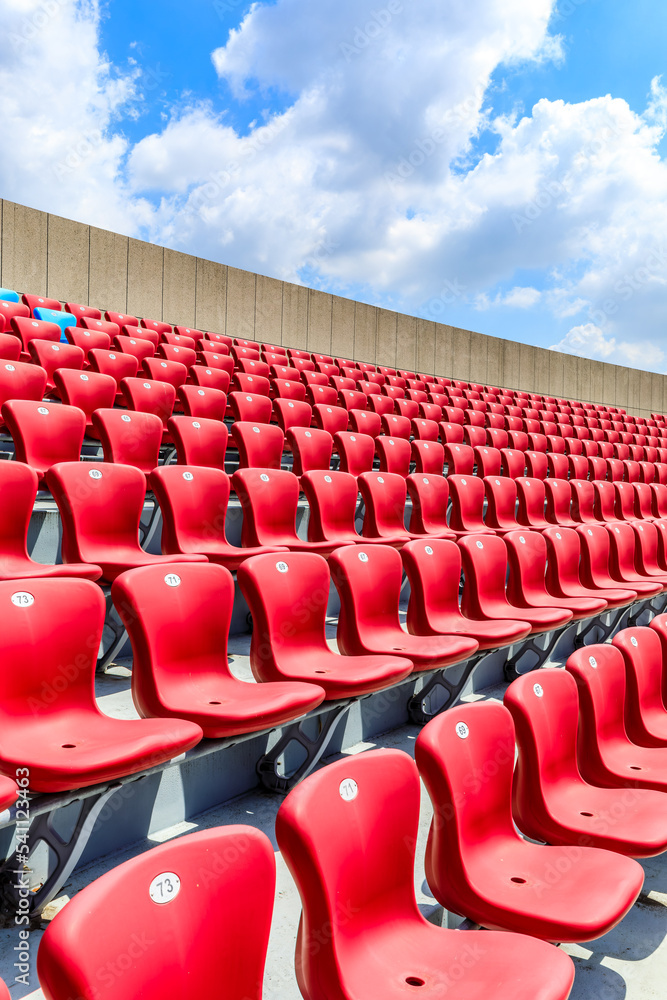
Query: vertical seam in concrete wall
[[2, 242], [48, 218], [88, 302], [162, 299], [127, 275], [194, 318]]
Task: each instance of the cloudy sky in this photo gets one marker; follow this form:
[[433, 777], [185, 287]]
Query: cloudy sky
[[493, 164]]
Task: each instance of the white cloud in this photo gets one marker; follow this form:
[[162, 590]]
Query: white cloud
[[589, 341]]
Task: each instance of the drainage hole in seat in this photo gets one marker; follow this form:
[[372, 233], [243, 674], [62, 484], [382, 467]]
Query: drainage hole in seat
[[415, 981], [519, 881]]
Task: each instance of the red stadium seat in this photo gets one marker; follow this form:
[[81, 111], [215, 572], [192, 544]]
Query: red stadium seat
[[394, 454], [51, 356], [18, 489], [100, 326], [606, 755], [100, 507], [64, 620], [214, 359], [209, 378], [501, 496], [283, 389], [137, 346], [44, 434], [181, 673], [487, 461], [199, 441], [222, 922], [194, 502], [558, 494], [477, 864], [129, 438], [87, 390], [10, 311], [287, 596], [269, 499], [145, 396], [247, 406], [292, 413], [365, 422], [551, 800], [40, 302], [88, 340], [311, 449], [433, 568], [199, 402], [459, 459], [348, 833], [121, 319], [356, 452], [429, 457], [172, 372], [113, 363], [10, 347], [260, 446], [174, 352], [395, 426], [330, 418], [430, 499], [467, 497], [531, 497], [582, 506], [368, 581], [645, 714]]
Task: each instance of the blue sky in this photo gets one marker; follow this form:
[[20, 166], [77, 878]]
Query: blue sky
[[493, 164]]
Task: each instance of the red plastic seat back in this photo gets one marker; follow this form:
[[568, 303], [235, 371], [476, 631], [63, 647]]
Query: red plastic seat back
[[513, 463], [599, 672], [193, 501], [487, 461], [292, 413], [459, 459], [88, 390], [394, 455], [356, 451], [260, 446], [384, 496], [330, 418], [50, 356], [484, 560], [220, 917], [100, 507], [269, 499], [642, 654], [248, 407], [113, 363], [18, 489], [287, 594], [396, 426], [465, 741], [429, 457], [365, 422], [501, 495], [21, 381], [467, 503], [531, 497], [368, 581], [129, 438], [137, 346], [199, 441], [604, 501], [311, 449], [433, 569], [149, 397], [172, 372], [88, 340], [430, 500], [332, 499], [44, 433], [202, 402], [558, 497], [583, 501], [64, 622]]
